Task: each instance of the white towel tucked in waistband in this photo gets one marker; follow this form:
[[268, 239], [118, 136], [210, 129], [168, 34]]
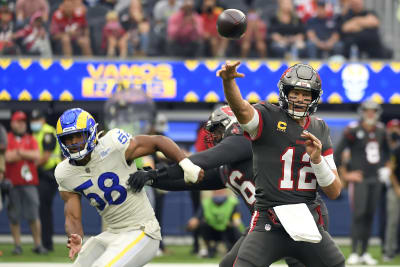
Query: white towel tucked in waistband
[[298, 222]]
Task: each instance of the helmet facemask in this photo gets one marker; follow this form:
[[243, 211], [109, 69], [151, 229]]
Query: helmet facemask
[[370, 105], [289, 105], [214, 135], [89, 139], [299, 77]]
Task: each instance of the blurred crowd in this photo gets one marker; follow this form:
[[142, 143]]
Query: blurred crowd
[[187, 28]]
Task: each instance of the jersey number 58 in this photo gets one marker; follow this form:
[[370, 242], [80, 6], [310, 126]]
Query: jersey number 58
[[108, 190]]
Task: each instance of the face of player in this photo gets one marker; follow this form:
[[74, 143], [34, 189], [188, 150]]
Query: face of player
[[75, 142], [370, 116], [299, 100]]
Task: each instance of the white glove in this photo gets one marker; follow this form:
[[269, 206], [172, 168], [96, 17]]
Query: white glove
[[190, 170], [384, 175]]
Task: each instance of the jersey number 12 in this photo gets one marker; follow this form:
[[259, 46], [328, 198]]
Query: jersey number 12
[[286, 182]]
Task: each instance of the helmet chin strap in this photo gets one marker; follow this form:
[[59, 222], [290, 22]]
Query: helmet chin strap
[[79, 155]]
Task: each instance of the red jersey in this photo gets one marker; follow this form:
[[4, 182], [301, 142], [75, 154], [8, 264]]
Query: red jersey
[[22, 172], [61, 23]]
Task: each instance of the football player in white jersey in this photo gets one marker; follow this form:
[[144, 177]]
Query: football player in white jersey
[[98, 169]]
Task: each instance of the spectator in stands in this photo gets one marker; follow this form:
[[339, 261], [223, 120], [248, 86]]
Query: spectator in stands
[[69, 28], [256, 33], [393, 193], [286, 32], [34, 39], [218, 219], [25, 9], [138, 27], [7, 45], [161, 13], [21, 154], [114, 36], [323, 34], [185, 32], [360, 28], [209, 14]]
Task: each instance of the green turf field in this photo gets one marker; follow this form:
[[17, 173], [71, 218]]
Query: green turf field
[[178, 254]]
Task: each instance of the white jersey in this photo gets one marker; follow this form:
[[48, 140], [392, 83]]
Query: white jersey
[[103, 181]]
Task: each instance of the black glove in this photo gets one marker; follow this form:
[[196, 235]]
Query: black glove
[[139, 179]]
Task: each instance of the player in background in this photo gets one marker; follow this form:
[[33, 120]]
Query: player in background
[[227, 163], [369, 153], [292, 158], [98, 169]]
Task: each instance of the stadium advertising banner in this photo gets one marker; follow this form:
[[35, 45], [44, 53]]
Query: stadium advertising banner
[[189, 81]]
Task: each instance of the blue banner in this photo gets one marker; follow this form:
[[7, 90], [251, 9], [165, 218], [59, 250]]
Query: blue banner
[[189, 81]]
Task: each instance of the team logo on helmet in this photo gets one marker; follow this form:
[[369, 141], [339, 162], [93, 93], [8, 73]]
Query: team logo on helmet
[[74, 121]]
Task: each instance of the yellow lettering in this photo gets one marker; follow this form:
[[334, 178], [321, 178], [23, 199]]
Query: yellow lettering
[[124, 71], [135, 71], [111, 71], [110, 84], [164, 72], [95, 73], [148, 72], [87, 87], [137, 84], [169, 88]]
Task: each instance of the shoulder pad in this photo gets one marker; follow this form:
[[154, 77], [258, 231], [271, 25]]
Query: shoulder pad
[[353, 124], [116, 138]]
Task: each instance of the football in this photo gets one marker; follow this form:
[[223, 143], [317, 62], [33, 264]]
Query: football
[[232, 24]]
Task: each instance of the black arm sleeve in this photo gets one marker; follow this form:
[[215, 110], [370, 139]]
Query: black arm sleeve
[[211, 181], [49, 142], [231, 149]]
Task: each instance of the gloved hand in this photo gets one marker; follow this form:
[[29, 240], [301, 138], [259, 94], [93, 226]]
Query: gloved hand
[[139, 179], [192, 172], [384, 175]]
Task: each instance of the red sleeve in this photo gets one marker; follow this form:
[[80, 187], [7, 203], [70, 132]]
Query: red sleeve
[[327, 152]]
